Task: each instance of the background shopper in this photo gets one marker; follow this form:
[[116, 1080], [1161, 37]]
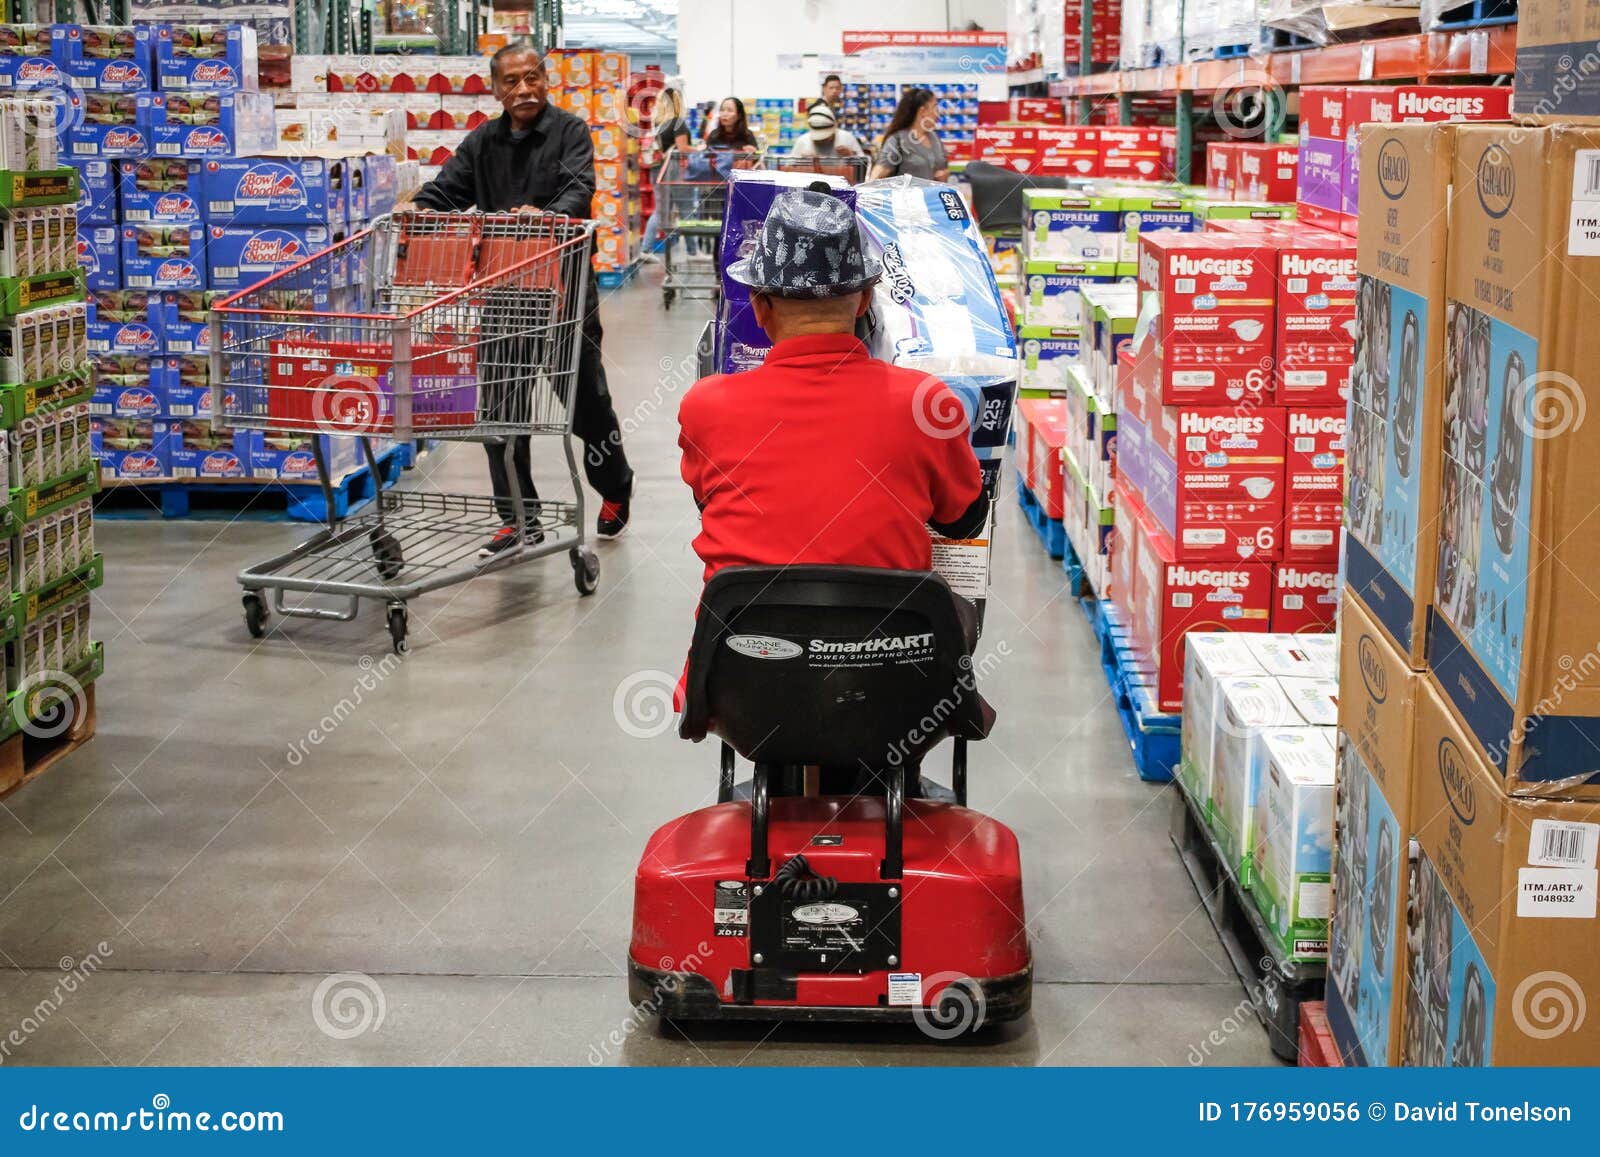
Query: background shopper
[[824, 137], [833, 91], [910, 146], [671, 133], [730, 129]]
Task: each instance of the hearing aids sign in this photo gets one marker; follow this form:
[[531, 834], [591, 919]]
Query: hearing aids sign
[[929, 52]]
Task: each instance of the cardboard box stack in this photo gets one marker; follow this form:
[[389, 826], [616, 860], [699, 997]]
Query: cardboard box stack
[[1469, 797], [48, 563], [187, 202], [1331, 116]]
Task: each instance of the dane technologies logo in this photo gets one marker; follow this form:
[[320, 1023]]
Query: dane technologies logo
[[763, 647]]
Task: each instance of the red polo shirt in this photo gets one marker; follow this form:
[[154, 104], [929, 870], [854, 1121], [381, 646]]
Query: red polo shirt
[[824, 455]]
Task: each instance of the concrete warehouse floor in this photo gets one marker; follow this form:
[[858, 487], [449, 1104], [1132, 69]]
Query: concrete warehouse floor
[[465, 833]]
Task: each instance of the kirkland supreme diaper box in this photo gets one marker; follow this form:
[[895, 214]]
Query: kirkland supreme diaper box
[[1210, 660], [160, 191], [1515, 618], [1213, 297], [1169, 599], [1374, 855], [1067, 225], [1047, 355], [1396, 410], [1112, 312], [1292, 842], [1505, 915], [1053, 290], [1150, 211], [744, 344], [1211, 476]]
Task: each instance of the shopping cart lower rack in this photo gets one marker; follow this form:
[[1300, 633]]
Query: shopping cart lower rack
[[453, 326]]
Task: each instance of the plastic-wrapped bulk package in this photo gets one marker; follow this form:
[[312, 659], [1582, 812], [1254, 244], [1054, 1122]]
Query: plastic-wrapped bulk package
[[937, 308], [1166, 31], [1199, 28], [1136, 47], [744, 344]]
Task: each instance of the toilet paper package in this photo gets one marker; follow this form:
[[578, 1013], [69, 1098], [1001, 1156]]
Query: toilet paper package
[[744, 344], [937, 308]]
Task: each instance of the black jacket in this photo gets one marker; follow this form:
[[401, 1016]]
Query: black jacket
[[551, 168]]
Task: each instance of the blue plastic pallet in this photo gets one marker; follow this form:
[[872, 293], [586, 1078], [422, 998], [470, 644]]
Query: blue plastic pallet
[[1077, 579], [1049, 530], [1153, 738], [303, 501], [613, 278]]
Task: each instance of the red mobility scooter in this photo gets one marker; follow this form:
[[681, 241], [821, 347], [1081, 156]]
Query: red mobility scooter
[[880, 906]]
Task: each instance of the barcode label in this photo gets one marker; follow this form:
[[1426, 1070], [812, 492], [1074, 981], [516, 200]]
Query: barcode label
[[1558, 844], [1583, 224], [169, 149], [140, 281], [183, 472], [225, 272]]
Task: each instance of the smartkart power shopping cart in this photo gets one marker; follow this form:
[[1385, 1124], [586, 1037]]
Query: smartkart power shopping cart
[[851, 168], [452, 326], [693, 187]]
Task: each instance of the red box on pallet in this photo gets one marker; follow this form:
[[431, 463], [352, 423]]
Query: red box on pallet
[[1171, 597], [1265, 172], [1014, 146], [1049, 429], [1212, 475], [1313, 483], [1068, 150], [1305, 597], [1129, 153], [1222, 160], [1316, 316], [1218, 299]]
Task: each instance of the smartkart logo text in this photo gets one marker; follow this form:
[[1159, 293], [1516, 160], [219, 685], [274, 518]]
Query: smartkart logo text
[[887, 644]]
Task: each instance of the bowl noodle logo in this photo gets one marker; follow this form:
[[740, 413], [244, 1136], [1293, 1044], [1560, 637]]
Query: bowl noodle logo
[[204, 137], [1457, 779], [270, 249], [273, 183], [211, 72], [347, 404]]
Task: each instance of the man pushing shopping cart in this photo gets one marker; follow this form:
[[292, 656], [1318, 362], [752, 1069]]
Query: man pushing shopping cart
[[536, 156]]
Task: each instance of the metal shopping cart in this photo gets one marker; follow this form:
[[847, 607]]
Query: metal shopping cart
[[852, 169], [693, 187], [461, 326]]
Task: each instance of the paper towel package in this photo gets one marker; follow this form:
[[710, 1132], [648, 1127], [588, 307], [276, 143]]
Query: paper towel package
[[751, 192]]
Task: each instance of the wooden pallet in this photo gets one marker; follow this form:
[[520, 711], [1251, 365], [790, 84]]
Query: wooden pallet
[[24, 758]]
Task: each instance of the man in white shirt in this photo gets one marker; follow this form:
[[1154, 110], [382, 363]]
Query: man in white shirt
[[826, 138]]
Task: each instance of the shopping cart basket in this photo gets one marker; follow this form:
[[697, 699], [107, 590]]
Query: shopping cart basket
[[461, 326], [693, 187], [852, 169]]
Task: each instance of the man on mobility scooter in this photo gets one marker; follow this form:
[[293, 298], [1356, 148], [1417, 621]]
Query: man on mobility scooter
[[827, 653]]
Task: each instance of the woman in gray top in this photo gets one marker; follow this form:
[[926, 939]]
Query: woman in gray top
[[910, 146]]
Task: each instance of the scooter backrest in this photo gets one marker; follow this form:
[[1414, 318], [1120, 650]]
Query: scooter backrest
[[831, 665]]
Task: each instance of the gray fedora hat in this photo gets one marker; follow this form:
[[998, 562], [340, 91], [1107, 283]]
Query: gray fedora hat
[[808, 246]]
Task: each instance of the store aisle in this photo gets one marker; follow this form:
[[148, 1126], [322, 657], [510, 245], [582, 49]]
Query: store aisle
[[461, 826]]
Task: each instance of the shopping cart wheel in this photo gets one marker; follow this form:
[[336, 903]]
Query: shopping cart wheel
[[255, 613], [585, 570], [386, 553], [397, 628], [666, 298]]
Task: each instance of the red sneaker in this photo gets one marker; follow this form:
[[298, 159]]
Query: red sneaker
[[613, 519]]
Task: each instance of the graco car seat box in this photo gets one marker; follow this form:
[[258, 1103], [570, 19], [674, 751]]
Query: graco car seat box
[[1392, 438], [1505, 916], [1372, 854], [1515, 625]]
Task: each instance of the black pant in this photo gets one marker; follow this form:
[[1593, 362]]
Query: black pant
[[594, 422]]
